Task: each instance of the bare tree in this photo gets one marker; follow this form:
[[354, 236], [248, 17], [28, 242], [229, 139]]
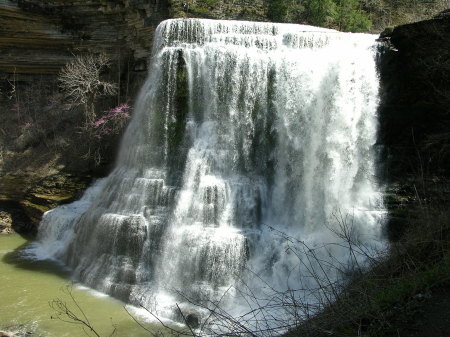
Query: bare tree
[[81, 82]]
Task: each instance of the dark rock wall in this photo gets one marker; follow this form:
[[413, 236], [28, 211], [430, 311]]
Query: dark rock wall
[[415, 98], [39, 37], [414, 112]]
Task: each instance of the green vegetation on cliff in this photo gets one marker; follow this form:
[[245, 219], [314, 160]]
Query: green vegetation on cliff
[[353, 15], [345, 15], [219, 9]]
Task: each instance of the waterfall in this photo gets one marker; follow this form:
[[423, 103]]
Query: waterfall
[[250, 146]]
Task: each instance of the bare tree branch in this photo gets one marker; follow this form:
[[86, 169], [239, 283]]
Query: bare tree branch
[[81, 82]]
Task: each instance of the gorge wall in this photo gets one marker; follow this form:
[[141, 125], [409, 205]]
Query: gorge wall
[[415, 74], [414, 70], [40, 37]]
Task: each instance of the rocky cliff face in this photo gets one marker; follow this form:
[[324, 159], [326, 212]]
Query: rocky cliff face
[[39, 37], [415, 98], [415, 118]]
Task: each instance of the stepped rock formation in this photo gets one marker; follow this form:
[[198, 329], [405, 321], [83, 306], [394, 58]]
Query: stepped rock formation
[[38, 37], [41, 36], [242, 130]]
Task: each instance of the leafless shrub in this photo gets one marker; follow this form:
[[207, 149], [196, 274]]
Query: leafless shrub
[[81, 81]]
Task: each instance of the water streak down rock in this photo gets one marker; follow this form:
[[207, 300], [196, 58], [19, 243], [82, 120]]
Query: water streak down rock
[[242, 131]]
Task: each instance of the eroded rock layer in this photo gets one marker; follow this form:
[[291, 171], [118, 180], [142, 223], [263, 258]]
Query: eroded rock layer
[[38, 37]]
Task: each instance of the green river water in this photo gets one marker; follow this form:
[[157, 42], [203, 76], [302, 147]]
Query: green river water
[[27, 287]]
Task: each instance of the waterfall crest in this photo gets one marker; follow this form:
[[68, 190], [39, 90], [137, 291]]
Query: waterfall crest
[[241, 132]]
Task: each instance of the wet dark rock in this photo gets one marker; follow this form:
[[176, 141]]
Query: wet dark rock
[[415, 102], [193, 321], [24, 198]]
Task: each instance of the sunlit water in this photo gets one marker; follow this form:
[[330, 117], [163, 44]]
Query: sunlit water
[[251, 146], [27, 287]]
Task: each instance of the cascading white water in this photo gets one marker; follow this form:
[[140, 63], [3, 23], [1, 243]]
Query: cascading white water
[[247, 139]]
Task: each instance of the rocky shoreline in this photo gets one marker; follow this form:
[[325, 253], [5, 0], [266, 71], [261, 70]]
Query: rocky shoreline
[[25, 198]]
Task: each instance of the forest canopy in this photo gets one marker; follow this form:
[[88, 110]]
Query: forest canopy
[[353, 15]]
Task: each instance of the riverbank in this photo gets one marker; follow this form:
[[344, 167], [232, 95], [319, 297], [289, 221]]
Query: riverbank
[[25, 197]]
